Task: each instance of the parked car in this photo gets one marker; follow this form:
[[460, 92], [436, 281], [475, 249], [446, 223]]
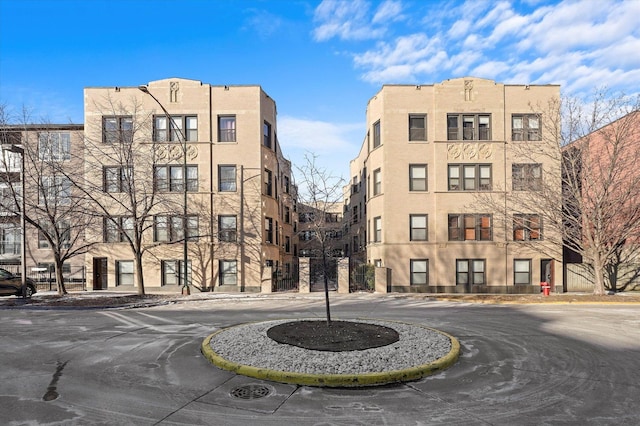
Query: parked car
[[11, 285]]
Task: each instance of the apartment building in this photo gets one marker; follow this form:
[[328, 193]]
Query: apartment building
[[152, 150], [601, 186], [431, 187], [50, 153]]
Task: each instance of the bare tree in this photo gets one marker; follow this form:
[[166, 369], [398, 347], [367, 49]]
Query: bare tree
[[125, 189], [51, 206], [319, 193], [588, 194]]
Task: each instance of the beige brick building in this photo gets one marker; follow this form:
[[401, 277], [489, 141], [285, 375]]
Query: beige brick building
[[430, 190], [52, 154], [240, 194]]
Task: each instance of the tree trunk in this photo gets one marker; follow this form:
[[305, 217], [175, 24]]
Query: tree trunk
[[139, 275], [60, 278], [598, 274], [325, 269]]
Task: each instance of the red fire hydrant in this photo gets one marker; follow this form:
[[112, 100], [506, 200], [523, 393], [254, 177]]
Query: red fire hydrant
[[546, 287]]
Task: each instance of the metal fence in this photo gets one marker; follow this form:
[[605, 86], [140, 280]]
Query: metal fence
[[75, 279], [282, 281], [362, 278]]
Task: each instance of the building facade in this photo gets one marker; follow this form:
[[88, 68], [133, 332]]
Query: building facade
[[51, 155], [601, 186], [430, 193], [151, 149]]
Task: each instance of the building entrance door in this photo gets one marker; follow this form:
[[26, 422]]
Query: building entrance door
[[99, 273], [546, 271]]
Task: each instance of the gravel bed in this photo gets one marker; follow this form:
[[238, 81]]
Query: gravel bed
[[248, 344]]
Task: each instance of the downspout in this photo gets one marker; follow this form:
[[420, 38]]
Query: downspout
[[211, 198], [242, 258]]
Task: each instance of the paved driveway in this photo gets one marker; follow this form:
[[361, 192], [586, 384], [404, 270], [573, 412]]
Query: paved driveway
[[520, 365]]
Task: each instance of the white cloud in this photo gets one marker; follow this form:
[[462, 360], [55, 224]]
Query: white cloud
[[579, 44], [390, 10], [333, 143], [347, 20], [319, 136]]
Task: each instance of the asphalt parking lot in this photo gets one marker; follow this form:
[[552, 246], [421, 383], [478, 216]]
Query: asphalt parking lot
[[520, 364]]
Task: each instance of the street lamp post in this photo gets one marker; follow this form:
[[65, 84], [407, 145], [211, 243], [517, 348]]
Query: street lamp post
[[23, 240], [182, 272]]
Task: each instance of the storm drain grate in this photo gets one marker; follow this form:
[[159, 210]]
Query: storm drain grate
[[250, 392]]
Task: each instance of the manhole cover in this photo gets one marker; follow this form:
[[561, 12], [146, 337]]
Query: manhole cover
[[250, 392]]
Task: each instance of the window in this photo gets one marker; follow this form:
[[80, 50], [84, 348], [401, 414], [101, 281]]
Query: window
[[170, 178], [268, 182], [525, 127], [527, 227], [117, 129], [418, 227], [417, 177], [307, 217], [526, 177], [55, 191], [10, 238], [171, 272], [468, 127], [171, 228], [227, 178], [124, 272], [377, 229], [116, 229], [470, 271], [182, 127], [287, 244], [417, 127], [522, 271], [117, 179], [50, 268], [470, 227], [354, 214], [287, 186], [268, 230], [54, 146], [377, 182], [469, 177], [307, 235], [226, 128], [62, 227], [376, 134], [419, 271], [266, 134], [227, 228], [228, 272]]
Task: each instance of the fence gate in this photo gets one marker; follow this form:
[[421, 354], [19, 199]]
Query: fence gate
[[317, 273], [361, 276], [285, 281]]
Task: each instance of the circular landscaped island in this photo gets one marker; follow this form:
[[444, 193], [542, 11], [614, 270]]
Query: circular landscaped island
[[347, 353]]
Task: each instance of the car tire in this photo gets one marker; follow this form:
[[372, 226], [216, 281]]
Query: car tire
[[29, 292]]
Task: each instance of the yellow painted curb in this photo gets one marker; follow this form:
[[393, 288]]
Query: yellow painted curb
[[335, 380]]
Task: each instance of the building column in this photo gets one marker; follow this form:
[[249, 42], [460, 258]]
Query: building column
[[343, 275], [304, 272], [267, 280]]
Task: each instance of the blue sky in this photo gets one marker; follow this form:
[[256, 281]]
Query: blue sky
[[320, 60]]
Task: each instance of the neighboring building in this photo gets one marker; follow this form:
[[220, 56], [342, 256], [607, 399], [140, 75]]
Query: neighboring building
[[240, 193], [51, 152], [601, 185], [429, 151]]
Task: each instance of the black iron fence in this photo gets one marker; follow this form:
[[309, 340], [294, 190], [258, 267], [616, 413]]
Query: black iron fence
[[362, 278], [285, 281], [75, 279]]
